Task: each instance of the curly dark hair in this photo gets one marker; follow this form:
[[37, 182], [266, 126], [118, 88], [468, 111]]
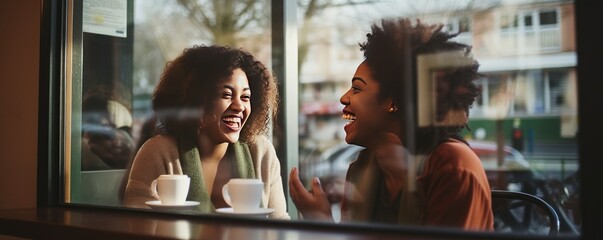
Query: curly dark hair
[[387, 49], [187, 87]]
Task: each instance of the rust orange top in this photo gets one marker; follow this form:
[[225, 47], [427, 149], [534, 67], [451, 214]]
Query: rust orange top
[[451, 190]]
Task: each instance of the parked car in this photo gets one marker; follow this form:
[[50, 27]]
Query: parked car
[[487, 152], [512, 174], [333, 163]]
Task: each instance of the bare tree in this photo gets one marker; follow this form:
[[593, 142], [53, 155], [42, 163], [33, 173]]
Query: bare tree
[[225, 19], [310, 9]]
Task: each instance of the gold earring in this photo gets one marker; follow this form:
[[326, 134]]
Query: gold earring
[[392, 109]]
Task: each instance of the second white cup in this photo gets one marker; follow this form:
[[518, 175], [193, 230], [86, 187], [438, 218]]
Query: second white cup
[[171, 189], [243, 194]]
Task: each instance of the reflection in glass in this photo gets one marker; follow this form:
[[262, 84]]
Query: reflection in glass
[[526, 115], [120, 72], [107, 141], [524, 121]]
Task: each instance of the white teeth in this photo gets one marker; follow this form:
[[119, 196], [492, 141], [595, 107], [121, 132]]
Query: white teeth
[[348, 117], [232, 119]]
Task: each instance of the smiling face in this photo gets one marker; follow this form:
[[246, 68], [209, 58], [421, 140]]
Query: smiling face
[[230, 110], [368, 116]]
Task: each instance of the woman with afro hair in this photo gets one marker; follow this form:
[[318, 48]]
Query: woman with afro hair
[[409, 173], [206, 129]]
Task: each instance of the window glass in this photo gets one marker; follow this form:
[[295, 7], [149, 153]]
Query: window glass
[[548, 17], [119, 73], [508, 21], [523, 106], [522, 126], [528, 21]]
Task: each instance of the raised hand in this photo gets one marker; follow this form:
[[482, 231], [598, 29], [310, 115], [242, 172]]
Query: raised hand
[[311, 204]]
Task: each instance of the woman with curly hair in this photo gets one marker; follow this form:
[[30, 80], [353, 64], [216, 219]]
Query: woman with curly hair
[[208, 130], [409, 173]]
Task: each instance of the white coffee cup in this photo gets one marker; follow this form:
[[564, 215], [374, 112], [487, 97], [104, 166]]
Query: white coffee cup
[[243, 194], [171, 189]]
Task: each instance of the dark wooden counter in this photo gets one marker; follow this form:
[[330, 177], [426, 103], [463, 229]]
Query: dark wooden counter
[[99, 223]]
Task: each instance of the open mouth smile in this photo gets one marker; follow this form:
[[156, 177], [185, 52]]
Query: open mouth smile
[[232, 122], [348, 116]]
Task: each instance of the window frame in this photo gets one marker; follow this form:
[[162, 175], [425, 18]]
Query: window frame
[[52, 124]]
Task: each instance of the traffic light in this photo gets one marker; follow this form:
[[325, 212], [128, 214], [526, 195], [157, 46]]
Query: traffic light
[[517, 140]]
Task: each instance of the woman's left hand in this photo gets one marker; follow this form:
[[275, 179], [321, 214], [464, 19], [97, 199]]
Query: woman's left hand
[[311, 204]]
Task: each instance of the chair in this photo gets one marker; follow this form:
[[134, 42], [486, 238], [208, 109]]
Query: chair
[[514, 212]]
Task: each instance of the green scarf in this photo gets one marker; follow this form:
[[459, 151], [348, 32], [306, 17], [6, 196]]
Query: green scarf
[[190, 161]]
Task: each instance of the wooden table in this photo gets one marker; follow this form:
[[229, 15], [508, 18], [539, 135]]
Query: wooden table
[[87, 223]]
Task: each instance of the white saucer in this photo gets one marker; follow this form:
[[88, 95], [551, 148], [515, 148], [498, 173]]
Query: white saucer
[[260, 212], [157, 205]]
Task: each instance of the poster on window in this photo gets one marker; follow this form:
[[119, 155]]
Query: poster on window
[[105, 17]]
